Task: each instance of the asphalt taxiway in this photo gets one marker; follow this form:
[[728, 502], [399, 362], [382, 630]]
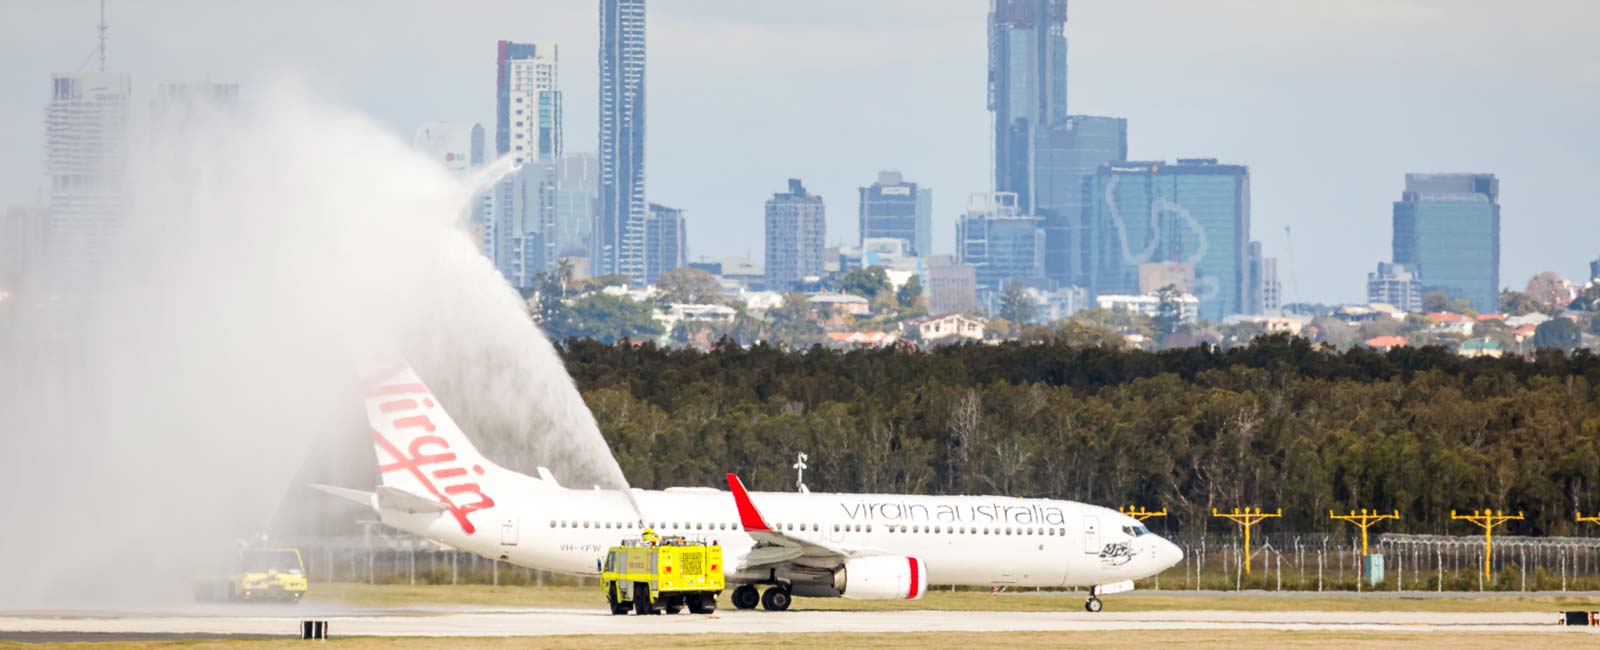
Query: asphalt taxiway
[[467, 621]]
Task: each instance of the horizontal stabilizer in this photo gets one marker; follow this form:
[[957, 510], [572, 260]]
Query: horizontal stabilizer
[[397, 499], [362, 497]]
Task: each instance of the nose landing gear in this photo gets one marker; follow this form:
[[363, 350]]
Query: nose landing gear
[[1093, 604]]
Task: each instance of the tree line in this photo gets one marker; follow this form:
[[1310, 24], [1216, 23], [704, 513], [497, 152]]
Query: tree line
[[1279, 422]]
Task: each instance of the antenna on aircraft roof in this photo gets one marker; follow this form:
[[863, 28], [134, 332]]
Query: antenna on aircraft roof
[[800, 473]]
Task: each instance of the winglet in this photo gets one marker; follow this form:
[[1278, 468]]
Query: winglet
[[749, 517]]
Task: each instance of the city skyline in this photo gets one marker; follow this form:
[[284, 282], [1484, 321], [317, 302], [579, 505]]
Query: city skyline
[[1332, 188]]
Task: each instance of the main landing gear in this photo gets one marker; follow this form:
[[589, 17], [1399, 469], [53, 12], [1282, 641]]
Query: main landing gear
[[775, 599]]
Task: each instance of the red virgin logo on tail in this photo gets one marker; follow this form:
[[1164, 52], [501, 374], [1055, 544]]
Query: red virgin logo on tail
[[427, 457]]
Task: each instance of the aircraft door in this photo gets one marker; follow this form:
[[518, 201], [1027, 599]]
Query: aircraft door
[[1091, 534], [508, 533]]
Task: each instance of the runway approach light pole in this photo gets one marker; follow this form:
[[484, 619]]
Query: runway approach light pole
[[1138, 512], [1247, 520], [1363, 521], [1487, 520]]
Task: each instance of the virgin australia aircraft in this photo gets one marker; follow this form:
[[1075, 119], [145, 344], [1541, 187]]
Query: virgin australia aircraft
[[861, 546]]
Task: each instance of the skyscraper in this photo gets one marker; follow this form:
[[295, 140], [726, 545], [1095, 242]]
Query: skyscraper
[[1447, 227], [1066, 157], [577, 191], [796, 229], [527, 101], [22, 250], [85, 156], [460, 147], [1000, 242], [894, 208], [1195, 212], [665, 241], [1027, 86], [619, 237], [1265, 292]]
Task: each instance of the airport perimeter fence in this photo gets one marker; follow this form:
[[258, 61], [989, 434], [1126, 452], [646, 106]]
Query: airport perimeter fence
[[1320, 562], [1279, 562]]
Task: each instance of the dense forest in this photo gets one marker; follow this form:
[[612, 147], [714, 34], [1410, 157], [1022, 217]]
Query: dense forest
[[1277, 423]]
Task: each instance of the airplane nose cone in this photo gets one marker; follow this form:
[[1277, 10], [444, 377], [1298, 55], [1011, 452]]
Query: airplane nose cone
[[1168, 554]]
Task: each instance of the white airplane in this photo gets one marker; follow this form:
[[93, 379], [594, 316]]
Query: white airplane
[[436, 485]]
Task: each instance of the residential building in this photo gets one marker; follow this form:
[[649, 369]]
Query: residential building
[[1065, 159], [999, 242], [862, 339], [86, 139], [796, 227], [528, 101], [891, 253], [666, 243], [1447, 228], [1396, 284], [1386, 343], [618, 240], [577, 192], [1057, 304], [1027, 86], [1594, 272], [951, 288], [945, 328], [894, 208], [1481, 347], [840, 303], [1195, 212], [1150, 305]]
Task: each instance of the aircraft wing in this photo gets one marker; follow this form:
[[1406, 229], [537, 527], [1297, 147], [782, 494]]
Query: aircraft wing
[[777, 547]]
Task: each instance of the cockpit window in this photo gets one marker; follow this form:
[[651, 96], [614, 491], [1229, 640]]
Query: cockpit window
[[1137, 530]]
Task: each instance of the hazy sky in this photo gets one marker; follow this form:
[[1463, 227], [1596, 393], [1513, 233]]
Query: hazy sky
[[1330, 102]]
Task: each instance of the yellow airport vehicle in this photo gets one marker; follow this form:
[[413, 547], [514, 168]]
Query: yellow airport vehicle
[[653, 574], [261, 574]]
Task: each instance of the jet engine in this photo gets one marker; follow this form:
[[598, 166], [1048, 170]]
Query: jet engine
[[881, 577]]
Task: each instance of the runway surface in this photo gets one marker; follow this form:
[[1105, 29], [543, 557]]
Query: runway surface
[[509, 621]]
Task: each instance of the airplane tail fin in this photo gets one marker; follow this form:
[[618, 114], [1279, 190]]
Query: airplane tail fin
[[423, 452]]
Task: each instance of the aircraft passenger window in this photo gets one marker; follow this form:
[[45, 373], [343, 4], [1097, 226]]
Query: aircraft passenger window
[[1052, 532], [1030, 530], [915, 529], [1063, 532], [836, 528], [869, 528]]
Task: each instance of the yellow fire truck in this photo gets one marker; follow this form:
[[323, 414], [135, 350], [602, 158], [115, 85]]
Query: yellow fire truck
[[652, 574]]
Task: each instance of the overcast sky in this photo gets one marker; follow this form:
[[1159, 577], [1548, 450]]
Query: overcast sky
[[1330, 102]]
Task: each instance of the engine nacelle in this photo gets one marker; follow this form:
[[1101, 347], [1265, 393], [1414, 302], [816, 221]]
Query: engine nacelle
[[881, 577]]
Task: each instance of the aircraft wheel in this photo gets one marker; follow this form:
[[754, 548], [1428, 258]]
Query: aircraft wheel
[[745, 597], [775, 598], [1093, 604]]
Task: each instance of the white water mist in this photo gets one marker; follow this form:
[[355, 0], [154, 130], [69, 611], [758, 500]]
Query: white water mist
[[270, 251]]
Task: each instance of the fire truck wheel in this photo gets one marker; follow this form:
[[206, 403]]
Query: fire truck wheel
[[673, 605]]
